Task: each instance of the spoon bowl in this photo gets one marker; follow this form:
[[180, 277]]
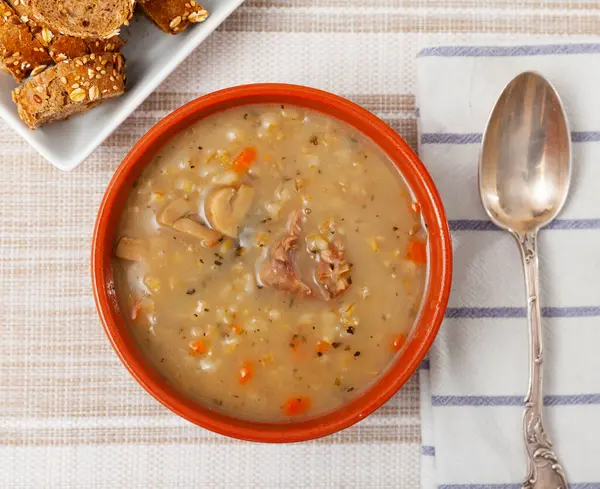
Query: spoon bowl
[[525, 156]]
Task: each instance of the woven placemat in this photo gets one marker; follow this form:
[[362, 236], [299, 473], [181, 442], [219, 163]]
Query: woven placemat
[[70, 415]]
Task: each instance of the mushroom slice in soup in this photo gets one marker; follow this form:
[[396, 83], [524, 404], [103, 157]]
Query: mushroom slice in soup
[[209, 237], [173, 211], [278, 271], [226, 208], [131, 249]]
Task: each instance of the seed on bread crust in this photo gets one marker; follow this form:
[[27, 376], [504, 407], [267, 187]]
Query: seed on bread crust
[[93, 92], [47, 35], [37, 70], [77, 95], [113, 34], [175, 22], [197, 17]]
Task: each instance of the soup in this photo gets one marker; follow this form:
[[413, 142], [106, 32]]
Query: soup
[[270, 262]]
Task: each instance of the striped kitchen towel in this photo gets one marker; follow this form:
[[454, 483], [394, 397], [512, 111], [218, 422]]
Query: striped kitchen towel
[[475, 379]]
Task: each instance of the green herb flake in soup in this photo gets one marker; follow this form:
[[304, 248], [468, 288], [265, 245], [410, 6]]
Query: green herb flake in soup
[[270, 262]]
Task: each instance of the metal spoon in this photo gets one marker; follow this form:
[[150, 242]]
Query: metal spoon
[[524, 175]]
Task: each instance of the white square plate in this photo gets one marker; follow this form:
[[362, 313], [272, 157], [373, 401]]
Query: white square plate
[[151, 55]]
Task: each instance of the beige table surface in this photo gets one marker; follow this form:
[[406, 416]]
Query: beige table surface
[[70, 415]]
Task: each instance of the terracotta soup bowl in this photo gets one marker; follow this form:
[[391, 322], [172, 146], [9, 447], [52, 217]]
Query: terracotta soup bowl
[[436, 292]]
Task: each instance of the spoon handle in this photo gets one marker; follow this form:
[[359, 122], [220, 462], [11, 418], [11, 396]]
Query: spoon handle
[[545, 472]]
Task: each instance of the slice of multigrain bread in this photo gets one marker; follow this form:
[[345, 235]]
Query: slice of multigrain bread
[[61, 46], [173, 16], [70, 87], [20, 53], [82, 18]]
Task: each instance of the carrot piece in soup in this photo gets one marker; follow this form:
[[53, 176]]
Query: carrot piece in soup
[[243, 161], [245, 373], [398, 342], [296, 405], [322, 348], [198, 347], [417, 251], [236, 329]]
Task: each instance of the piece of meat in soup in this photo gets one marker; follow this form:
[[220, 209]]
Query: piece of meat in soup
[[333, 270], [278, 270]]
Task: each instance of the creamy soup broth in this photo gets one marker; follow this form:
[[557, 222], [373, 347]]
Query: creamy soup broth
[[270, 262]]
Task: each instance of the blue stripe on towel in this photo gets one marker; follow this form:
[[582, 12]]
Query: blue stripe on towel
[[559, 400], [483, 225], [585, 136], [451, 138], [461, 138], [502, 51], [428, 450], [520, 312], [580, 485]]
